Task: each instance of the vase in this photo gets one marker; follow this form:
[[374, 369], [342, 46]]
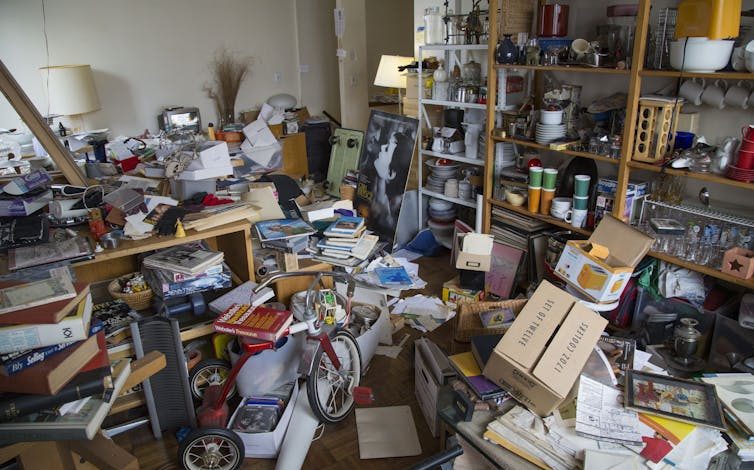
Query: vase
[[506, 51]]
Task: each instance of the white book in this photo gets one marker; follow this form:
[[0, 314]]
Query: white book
[[336, 254], [365, 246], [74, 327]]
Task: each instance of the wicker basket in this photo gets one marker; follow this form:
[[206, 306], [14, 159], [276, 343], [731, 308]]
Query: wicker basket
[[137, 301], [468, 324]]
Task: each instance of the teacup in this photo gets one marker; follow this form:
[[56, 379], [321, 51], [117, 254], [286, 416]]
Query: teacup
[[560, 206], [737, 96], [692, 91], [714, 95]]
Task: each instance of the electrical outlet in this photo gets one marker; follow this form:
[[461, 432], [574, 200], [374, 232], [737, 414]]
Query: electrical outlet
[[277, 77]]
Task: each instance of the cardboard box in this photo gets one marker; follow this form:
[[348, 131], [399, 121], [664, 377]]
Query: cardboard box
[[453, 292], [475, 253], [543, 352], [606, 188], [601, 266]]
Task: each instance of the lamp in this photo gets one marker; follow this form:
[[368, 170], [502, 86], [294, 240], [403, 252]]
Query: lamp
[[389, 76], [70, 90]]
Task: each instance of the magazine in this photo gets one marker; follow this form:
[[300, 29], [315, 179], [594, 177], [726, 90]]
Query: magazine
[[346, 225], [75, 248], [36, 293], [184, 259], [280, 229]]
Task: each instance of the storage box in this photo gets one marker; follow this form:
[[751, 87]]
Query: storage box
[[601, 266], [266, 445], [543, 352], [739, 262], [476, 252], [426, 387], [453, 292]]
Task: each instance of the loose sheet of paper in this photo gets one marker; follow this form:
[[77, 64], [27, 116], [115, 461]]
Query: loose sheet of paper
[[600, 414]]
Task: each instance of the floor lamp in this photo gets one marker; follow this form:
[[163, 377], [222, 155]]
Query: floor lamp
[[389, 76]]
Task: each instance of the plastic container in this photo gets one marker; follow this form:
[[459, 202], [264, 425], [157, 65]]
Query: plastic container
[[433, 26], [714, 19], [186, 189], [683, 140]]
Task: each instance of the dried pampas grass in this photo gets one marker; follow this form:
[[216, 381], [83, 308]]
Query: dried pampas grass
[[229, 72]]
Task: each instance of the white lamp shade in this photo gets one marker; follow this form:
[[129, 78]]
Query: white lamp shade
[[388, 74], [70, 89]]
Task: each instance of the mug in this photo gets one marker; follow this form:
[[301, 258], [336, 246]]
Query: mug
[[714, 95], [692, 91], [579, 47], [738, 59], [751, 99], [576, 217], [738, 96], [559, 207]]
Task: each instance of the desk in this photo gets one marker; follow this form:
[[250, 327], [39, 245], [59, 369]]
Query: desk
[[234, 239]]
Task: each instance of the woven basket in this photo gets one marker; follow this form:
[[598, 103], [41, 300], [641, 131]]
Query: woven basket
[[137, 301], [468, 324]]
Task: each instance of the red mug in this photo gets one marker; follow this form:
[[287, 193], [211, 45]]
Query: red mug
[[748, 132], [745, 160], [747, 145]]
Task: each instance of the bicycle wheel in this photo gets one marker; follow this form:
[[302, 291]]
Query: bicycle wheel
[[211, 449], [330, 390], [209, 372]]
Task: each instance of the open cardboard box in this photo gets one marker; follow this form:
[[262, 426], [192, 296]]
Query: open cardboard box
[[543, 352], [475, 253], [601, 266]]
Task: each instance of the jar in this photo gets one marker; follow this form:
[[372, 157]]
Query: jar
[[433, 26], [472, 71]]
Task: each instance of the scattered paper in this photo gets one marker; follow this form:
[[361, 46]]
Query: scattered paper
[[154, 201], [601, 415], [264, 198], [392, 351], [421, 305], [136, 227], [408, 255], [258, 134]]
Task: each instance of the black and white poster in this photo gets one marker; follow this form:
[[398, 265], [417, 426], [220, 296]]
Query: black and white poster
[[383, 171]]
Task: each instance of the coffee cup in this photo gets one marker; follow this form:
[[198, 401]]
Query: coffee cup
[[737, 96], [549, 178], [535, 194], [692, 91], [576, 217], [581, 185], [581, 202], [714, 95], [545, 203], [580, 47], [559, 207]]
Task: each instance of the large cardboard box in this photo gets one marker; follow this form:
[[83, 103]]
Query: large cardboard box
[[601, 266], [543, 352]]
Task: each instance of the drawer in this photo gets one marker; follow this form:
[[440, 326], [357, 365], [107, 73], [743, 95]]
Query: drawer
[[425, 374], [428, 407]]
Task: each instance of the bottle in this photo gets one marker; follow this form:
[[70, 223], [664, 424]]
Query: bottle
[[210, 131], [433, 26], [440, 88]]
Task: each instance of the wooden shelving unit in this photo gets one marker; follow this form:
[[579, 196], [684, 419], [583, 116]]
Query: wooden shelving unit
[[625, 164]]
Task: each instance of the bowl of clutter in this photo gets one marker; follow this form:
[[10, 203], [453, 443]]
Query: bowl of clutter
[[132, 289]]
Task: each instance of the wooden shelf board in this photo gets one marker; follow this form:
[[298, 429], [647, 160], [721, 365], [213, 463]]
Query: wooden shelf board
[[709, 177], [572, 153], [128, 402], [712, 76], [747, 283], [545, 218], [565, 68]]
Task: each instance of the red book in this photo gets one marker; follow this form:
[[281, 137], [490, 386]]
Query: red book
[[47, 313], [256, 322]]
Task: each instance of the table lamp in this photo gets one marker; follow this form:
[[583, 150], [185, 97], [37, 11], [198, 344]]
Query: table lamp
[[389, 76], [70, 91]]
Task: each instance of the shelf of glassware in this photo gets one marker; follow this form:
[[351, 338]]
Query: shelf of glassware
[[454, 47], [723, 75], [454, 104], [572, 153], [708, 177], [747, 283], [565, 68], [455, 158], [463, 202]]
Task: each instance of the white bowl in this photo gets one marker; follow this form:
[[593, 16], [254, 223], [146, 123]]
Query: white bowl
[[702, 55], [551, 117]]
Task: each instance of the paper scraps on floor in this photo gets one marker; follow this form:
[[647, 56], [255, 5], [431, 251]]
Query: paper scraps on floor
[[423, 313], [392, 351], [386, 432]]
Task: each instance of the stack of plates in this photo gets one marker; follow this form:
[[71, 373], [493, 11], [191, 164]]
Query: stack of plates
[[740, 174], [546, 133], [441, 211], [439, 174]]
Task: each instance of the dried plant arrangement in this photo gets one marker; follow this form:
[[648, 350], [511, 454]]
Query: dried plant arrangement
[[229, 72]]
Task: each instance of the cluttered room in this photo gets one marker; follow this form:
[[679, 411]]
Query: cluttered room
[[337, 234]]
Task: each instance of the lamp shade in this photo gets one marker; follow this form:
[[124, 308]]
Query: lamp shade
[[70, 89], [388, 74]]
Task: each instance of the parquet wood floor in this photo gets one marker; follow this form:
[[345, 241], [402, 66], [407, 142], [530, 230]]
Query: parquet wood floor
[[392, 381]]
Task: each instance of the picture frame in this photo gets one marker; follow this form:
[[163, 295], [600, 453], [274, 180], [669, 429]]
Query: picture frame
[[683, 400]]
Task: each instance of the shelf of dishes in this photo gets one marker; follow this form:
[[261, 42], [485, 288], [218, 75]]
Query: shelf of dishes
[[454, 157], [532, 144], [564, 68], [536, 215], [708, 177], [454, 47], [463, 202]]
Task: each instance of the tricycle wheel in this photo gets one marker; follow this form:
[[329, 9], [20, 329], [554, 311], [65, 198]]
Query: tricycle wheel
[[211, 449], [209, 372]]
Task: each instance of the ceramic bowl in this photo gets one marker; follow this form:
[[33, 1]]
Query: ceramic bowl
[[440, 205], [515, 197], [702, 55]]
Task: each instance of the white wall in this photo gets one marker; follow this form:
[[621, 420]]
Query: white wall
[[149, 54], [354, 82], [389, 25]]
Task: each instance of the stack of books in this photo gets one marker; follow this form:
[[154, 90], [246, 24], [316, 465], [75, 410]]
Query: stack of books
[[284, 235], [465, 364], [345, 241], [184, 270], [53, 356]]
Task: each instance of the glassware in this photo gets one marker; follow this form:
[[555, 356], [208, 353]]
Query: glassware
[[433, 26]]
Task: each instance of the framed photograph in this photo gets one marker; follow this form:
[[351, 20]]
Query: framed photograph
[[683, 400], [383, 171]]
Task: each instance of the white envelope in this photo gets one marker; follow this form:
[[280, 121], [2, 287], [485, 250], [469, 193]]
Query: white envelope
[[259, 134]]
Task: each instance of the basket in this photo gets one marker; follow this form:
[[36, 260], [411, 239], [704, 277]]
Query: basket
[[468, 324], [137, 300]]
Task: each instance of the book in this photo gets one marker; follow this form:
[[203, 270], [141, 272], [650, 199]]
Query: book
[[289, 245], [497, 318], [31, 294], [364, 247], [181, 277], [165, 288], [324, 244], [186, 259], [336, 254], [620, 355], [48, 377], [115, 315], [15, 362], [482, 347], [346, 225], [280, 229], [345, 235], [52, 312], [72, 249], [471, 373], [82, 425], [393, 276], [74, 327], [255, 322]]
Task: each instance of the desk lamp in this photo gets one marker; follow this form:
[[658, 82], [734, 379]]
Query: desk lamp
[[389, 76], [70, 91]]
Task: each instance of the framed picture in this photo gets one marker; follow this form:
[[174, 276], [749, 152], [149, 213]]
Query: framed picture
[[683, 400], [383, 171], [500, 279]]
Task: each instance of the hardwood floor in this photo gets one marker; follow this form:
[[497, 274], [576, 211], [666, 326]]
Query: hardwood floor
[[392, 382]]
